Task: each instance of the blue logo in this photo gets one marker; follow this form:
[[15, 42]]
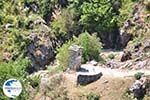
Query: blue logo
[[12, 88]]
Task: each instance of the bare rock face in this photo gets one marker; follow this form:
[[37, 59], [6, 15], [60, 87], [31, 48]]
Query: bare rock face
[[40, 51], [124, 39], [126, 56], [146, 46], [139, 88]]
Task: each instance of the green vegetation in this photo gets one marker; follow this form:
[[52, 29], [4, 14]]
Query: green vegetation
[[111, 56], [63, 55], [91, 46], [96, 15], [147, 3], [64, 23], [125, 11], [135, 41], [138, 75], [34, 81], [55, 69], [93, 96], [16, 70], [91, 49], [59, 24]]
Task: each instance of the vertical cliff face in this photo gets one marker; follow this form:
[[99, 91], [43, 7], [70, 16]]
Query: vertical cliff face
[[42, 50], [111, 40]]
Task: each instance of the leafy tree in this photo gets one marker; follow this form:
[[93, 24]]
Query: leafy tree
[[97, 15]]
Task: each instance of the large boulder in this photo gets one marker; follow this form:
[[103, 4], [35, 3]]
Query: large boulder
[[88, 74], [124, 39], [41, 52], [126, 56], [139, 88]]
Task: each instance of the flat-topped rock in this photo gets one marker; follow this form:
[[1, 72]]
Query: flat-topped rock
[[88, 74]]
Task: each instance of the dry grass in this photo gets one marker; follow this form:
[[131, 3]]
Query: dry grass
[[107, 88]]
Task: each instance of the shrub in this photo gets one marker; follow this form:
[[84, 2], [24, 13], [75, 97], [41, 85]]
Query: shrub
[[34, 81], [127, 95], [64, 23], [63, 55], [135, 41], [138, 75], [14, 69], [15, 42], [93, 96], [134, 0], [91, 46], [91, 49], [111, 56]]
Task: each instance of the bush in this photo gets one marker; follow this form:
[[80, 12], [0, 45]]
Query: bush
[[91, 49], [111, 56], [34, 81], [64, 23], [63, 55], [16, 70], [92, 96], [135, 41], [15, 42], [138, 75], [96, 16], [91, 46], [134, 0]]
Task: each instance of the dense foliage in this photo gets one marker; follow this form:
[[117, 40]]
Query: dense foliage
[[97, 15], [91, 46], [15, 70], [90, 49], [64, 23], [63, 55], [63, 18]]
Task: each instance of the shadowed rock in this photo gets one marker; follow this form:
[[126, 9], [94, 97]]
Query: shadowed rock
[[90, 75]]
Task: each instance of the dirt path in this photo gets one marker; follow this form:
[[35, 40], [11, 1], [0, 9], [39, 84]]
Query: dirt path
[[108, 72]]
